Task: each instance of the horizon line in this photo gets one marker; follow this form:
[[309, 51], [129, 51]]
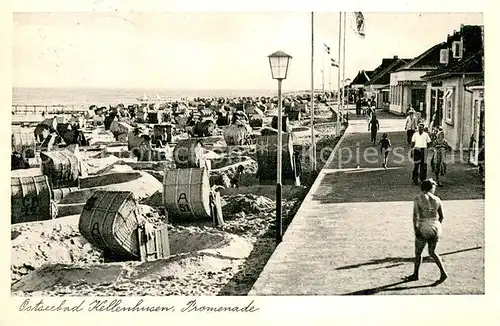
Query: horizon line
[[166, 88]]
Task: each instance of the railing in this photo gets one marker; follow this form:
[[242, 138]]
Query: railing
[[47, 109]]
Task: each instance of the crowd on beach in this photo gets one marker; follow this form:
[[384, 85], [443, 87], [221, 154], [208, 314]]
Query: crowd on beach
[[133, 124]]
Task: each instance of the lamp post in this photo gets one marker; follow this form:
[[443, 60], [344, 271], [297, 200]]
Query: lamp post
[[279, 62]]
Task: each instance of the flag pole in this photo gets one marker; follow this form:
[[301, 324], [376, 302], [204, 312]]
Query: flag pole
[[323, 71], [338, 75], [313, 142], [343, 75], [330, 75]]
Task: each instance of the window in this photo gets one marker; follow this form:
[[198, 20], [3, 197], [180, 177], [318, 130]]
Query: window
[[449, 102], [457, 48], [443, 56], [385, 97]]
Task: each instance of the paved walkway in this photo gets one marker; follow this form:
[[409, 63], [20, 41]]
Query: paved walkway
[[353, 233]]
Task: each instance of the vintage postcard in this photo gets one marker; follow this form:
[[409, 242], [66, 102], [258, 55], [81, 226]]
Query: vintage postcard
[[209, 162]]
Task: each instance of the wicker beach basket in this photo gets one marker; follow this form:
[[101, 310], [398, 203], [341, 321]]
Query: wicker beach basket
[[24, 142], [31, 199], [110, 220], [236, 134], [189, 153], [267, 149], [62, 167], [186, 194]]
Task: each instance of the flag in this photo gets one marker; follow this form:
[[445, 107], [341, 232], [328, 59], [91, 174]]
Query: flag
[[359, 21], [333, 63], [327, 48]]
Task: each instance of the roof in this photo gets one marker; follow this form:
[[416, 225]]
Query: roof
[[383, 77], [362, 77], [473, 64], [385, 63], [427, 60]]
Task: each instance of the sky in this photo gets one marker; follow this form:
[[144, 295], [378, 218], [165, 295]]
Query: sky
[[208, 50]]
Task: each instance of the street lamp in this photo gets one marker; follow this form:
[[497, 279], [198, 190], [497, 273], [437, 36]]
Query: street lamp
[[279, 62]]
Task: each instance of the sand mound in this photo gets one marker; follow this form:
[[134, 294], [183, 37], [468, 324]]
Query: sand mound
[[159, 175], [35, 244], [108, 179], [100, 165], [142, 184], [26, 172], [247, 203], [203, 251]]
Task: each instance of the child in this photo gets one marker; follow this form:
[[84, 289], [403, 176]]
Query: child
[[385, 144]]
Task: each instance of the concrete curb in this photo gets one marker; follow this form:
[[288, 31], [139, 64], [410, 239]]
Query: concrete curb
[[320, 176], [309, 194]]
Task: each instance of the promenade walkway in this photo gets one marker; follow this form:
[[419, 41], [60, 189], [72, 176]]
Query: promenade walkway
[[353, 233]]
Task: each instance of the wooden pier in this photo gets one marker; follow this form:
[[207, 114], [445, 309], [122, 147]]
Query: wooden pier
[[32, 114], [47, 109]]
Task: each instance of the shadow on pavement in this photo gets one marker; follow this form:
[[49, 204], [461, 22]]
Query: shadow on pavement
[[401, 260], [389, 287]]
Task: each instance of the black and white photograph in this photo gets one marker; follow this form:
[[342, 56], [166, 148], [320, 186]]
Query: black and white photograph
[[304, 153]]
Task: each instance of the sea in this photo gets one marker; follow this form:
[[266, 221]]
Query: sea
[[113, 96]]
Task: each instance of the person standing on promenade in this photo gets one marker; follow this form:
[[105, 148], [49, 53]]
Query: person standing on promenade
[[373, 127], [419, 144], [369, 111], [410, 125], [438, 163], [358, 106], [385, 145], [427, 220]]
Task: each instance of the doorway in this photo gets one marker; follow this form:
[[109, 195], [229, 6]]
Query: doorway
[[436, 110], [477, 137], [418, 100]]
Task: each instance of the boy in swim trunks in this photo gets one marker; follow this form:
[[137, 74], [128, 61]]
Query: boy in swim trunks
[[427, 219]]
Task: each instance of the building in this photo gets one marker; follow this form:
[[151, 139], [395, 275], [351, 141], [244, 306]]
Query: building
[[361, 79], [377, 87], [407, 89], [451, 88]]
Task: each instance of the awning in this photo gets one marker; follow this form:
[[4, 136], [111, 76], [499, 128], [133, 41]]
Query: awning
[[476, 82]]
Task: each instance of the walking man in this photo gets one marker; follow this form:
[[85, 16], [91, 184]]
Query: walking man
[[358, 106], [373, 127], [427, 219], [419, 144], [410, 125]]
